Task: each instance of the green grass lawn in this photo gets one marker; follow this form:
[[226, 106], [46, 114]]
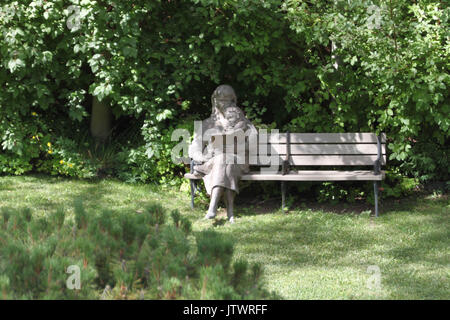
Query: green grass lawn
[[310, 253]]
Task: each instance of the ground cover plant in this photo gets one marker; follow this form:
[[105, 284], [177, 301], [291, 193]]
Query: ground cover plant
[[315, 251]]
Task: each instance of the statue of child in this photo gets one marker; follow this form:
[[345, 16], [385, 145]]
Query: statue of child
[[235, 120]]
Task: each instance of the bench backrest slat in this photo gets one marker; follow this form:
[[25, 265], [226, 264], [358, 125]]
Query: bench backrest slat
[[321, 149], [340, 160], [327, 160], [324, 149], [357, 137]]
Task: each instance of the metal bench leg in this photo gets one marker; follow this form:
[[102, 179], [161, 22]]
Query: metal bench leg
[[193, 187], [375, 190], [283, 195]]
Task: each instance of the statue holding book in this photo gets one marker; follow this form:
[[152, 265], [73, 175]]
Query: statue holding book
[[221, 169]]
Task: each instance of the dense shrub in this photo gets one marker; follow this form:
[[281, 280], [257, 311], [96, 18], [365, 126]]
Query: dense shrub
[[389, 74], [157, 62], [121, 255]]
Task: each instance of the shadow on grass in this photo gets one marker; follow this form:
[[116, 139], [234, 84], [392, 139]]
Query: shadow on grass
[[90, 191], [251, 206], [291, 239], [90, 195], [416, 285], [427, 250], [5, 186], [269, 206], [398, 242]]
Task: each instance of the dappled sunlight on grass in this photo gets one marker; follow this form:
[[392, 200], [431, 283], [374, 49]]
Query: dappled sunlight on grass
[[306, 254]]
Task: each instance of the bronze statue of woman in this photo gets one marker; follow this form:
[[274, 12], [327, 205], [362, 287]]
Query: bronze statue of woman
[[220, 176]]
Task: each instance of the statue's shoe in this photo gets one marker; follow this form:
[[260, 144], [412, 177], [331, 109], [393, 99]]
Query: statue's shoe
[[194, 175], [231, 220], [210, 215]]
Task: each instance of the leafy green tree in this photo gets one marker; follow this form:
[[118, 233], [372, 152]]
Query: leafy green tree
[[321, 66], [393, 77]]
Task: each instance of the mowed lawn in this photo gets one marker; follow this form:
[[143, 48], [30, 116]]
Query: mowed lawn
[[307, 253]]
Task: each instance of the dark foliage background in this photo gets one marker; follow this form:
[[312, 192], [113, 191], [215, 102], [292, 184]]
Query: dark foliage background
[[322, 66]]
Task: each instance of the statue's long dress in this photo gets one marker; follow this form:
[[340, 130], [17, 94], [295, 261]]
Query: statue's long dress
[[218, 171]]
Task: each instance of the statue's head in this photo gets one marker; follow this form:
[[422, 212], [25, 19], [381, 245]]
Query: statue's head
[[233, 114], [223, 97]]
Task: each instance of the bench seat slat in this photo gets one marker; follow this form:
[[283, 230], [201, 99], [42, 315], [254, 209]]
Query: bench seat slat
[[356, 137], [325, 175], [313, 149], [316, 176]]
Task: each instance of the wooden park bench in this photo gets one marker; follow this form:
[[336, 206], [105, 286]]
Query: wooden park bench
[[356, 151]]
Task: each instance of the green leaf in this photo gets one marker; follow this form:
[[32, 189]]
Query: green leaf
[[15, 64]]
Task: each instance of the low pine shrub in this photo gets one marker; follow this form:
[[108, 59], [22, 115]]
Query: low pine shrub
[[118, 255]]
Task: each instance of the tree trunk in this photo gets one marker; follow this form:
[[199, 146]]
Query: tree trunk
[[100, 120]]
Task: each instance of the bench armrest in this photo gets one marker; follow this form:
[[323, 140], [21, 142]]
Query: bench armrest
[[377, 163], [193, 163]]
